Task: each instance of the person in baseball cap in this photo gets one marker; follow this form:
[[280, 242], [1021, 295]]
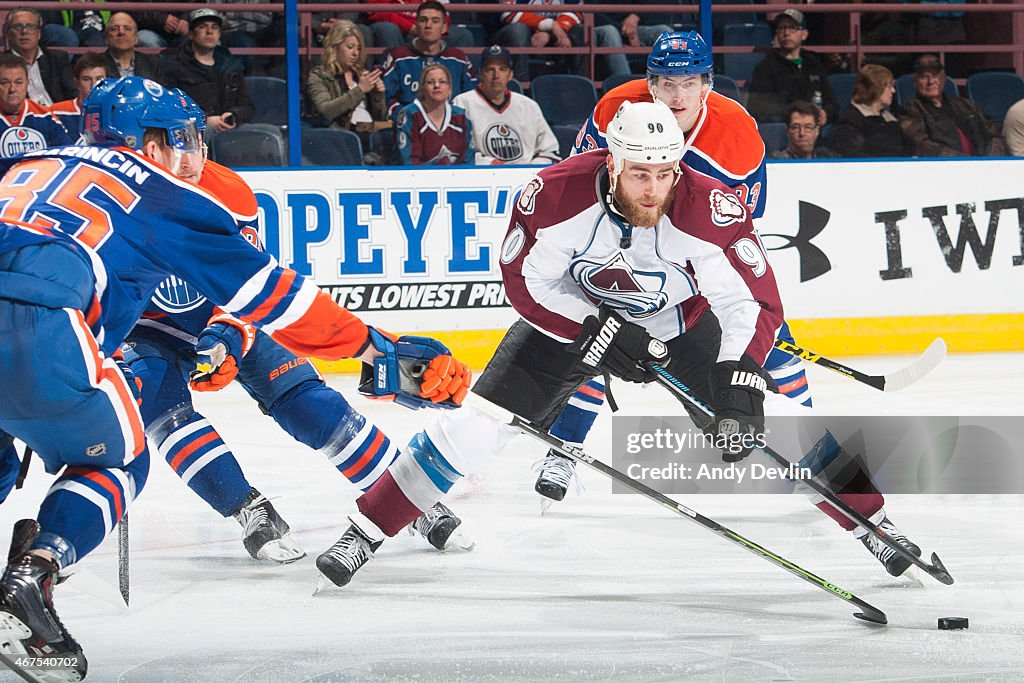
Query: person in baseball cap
[[497, 52], [203, 14], [789, 17], [928, 63]]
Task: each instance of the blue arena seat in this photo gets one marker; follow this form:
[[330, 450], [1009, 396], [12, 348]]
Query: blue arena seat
[[331, 147], [615, 80], [564, 98], [566, 135], [251, 144], [774, 136], [270, 98], [995, 92], [842, 86], [741, 65], [724, 85]]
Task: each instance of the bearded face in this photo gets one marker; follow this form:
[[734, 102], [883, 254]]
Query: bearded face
[[644, 192]]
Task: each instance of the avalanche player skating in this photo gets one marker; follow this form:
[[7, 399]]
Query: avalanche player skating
[[161, 353], [610, 259], [86, 236], [722, 142]]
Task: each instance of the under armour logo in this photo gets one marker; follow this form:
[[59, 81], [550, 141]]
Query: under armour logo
[[813, 261]]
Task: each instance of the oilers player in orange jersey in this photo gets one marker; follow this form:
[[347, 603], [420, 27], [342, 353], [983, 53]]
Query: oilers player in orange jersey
[[722, 142], [87, 234], [160, 351]]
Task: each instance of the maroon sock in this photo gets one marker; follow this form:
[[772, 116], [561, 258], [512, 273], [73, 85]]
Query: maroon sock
[[386, 506]]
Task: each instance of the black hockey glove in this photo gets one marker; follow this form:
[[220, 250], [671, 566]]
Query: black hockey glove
[[737, 390], [613, 345]]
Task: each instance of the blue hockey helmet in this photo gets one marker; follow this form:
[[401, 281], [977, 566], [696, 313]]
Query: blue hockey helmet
[[679, 54], [118, 111]]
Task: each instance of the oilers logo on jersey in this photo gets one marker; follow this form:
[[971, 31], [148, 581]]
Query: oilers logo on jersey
[[18, 140], [616, 283], [502, 142], [174, 295]]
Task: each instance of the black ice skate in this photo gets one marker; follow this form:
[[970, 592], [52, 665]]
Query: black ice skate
[[341, 561], [265, 535], [440, 526], [893, 562], [29, 624], [556, 471]]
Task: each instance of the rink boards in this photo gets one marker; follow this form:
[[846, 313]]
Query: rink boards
[[871, 257]]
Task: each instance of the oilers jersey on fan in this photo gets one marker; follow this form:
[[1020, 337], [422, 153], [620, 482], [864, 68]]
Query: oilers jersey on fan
[[724, 143], [32, 128], [69, 113], [140, 224]]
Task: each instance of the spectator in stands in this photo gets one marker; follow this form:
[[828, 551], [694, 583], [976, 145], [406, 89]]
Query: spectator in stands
[[341, 90], [867, 128], [802, 131], [49, 73], [209, 74], [556, 29], [642, 29], [789, 73], [404, 65], [508, 128], [1013, 129], [89, 70], [323, 22], [25, 126], [121, 56], [161, 29], [394, 29], [940, 28], [937, 125], [430, 130], [74, 29]]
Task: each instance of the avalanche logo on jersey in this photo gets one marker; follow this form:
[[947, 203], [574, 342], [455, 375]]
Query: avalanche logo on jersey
[[527, 203], [726, 208], [617, 284], [502, 142], [174, 295], [18, 140]]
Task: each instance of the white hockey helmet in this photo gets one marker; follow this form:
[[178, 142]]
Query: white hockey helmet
[[644, 133]]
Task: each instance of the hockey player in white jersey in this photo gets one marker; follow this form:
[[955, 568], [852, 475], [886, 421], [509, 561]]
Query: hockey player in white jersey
[[508, 128]]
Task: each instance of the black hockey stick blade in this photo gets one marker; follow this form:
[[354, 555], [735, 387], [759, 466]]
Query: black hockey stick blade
[[685, 396], [870, 613], [893, 381]]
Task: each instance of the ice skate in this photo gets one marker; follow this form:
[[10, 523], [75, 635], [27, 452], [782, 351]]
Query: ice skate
[[442, 529], [339, 563], [265, 535], [893, 562], [556, 471], [29, 624]]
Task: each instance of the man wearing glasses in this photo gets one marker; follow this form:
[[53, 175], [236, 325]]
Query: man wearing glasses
[[49, 73], [802, 131], [790, 73]]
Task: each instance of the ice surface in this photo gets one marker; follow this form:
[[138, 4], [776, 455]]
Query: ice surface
[[604, 587]]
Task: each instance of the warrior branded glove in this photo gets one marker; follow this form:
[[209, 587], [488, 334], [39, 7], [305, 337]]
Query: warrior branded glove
[[415, 372], [737, 391], [613, 345], [134, 383], [219, 349]]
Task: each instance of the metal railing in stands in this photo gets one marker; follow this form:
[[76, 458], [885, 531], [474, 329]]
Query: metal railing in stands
[[300, 45]]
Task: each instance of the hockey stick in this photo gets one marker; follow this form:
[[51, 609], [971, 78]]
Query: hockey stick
[[122, 557], [685, 396], [870, 613], [893, 381]]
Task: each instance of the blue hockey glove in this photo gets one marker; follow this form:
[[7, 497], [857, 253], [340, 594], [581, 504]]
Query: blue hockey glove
[[415, 372], [219, 349]]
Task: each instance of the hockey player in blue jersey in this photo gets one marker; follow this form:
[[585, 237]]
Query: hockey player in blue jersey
[[722, 141], [86, 236], [161, 353]]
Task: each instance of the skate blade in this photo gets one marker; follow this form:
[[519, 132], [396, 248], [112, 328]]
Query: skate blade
[[281, 551], [459, 542], [12, 632], [322, 583], [545, 505], [913, 576]]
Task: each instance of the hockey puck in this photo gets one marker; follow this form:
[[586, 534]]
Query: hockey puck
[[952, 623]]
